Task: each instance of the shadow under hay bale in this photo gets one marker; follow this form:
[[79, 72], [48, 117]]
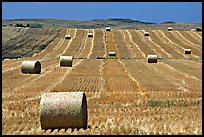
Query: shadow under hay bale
[[152, 58], [66, 61], [31, 67], [63, 110]]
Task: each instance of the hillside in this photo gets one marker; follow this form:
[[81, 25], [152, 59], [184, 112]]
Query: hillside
[[114, 23]]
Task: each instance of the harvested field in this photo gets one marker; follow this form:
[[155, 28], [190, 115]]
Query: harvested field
[[125, 94]]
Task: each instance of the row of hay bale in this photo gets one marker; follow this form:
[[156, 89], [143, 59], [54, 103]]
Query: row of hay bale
[[153, 58], [170, 29], [60, 109], [147, 33], [197, 29], [34, 67], [69, 36]]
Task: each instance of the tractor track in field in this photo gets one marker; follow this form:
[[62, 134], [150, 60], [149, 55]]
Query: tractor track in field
[[119, 89]]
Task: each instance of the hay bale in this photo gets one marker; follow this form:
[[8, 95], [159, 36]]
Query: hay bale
[[108, 29], [193, 30], [90, 35], [63, 110], [67, 37], [66, 61], [170, 28], [31, 67], [146, 33], [152, 58], [112, 53], [187, 51]]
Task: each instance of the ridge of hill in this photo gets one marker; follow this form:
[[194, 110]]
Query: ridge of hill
[[114, 23]]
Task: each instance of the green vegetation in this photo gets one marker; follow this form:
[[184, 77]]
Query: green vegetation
[[36, 25], [21, 25], [168, 103], [112, 104], [198, 29], [154, 103]]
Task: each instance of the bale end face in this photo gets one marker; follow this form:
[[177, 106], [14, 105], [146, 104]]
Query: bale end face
[[152, 58], [63, 110], [31, 67]]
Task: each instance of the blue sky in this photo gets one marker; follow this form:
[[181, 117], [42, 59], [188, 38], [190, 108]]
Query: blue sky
[[190, 12]]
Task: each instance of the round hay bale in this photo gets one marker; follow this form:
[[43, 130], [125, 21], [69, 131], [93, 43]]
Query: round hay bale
[[63, 110], [187, 51], [112, 53], [108, 29], [192, 29], [66, 61], [152, 58], [67, 37], [90, 34], [146, 33], [31, 67], [170, 28]]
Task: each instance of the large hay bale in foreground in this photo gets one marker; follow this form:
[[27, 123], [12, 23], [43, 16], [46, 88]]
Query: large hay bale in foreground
[[31, 67], [152, 58], [67, 37], [146, 33], [187, 51], [108, 29], [63, 110], [170, 29], [90, 35], [112, 53], [66, 61]]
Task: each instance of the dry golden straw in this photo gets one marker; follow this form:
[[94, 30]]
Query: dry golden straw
[[63, 110]]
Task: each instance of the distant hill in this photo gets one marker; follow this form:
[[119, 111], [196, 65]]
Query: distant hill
[[114, 23], [167, 22], [96, 23]]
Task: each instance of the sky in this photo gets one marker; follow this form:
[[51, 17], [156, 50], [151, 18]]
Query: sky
[[156, 12]]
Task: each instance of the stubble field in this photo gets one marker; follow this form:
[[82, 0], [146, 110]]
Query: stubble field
[[125, 94]]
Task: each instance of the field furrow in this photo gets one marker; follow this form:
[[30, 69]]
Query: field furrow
[[187, 39], [125, 94], [180, 45], [123, 50], [132, 45], [110, 43], [157, 48], [193, 38], [99, 44], [160, 39], [143, 46]]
